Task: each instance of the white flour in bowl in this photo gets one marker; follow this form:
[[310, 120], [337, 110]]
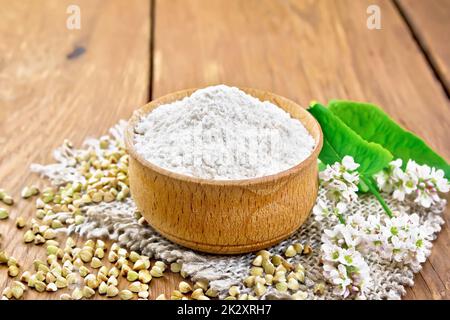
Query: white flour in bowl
[[222, 133]]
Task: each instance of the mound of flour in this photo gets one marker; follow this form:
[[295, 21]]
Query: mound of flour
[[222, 133]]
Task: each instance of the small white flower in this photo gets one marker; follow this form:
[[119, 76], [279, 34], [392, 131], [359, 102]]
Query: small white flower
[[424, 199], [341, 280], [341, 207], [349, 164], [351, 177], [331, 252], [383, 181], [320, 210], [399, 195], [442, 184]]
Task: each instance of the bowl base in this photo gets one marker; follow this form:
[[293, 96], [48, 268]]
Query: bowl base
[[226, 249]]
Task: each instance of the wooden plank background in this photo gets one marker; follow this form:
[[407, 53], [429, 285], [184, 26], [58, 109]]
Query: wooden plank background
[[132, 51], [429, 21]]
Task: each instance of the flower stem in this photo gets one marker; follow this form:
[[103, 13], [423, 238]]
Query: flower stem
[[341, 218], [370, 184]]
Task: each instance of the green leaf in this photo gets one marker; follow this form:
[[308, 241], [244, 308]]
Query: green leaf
[[339, 140], [373, 125]]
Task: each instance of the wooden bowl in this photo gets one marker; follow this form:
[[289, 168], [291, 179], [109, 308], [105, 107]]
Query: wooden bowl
[[225, 216]]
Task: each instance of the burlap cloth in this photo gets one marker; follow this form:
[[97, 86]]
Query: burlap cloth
[[116, 221]]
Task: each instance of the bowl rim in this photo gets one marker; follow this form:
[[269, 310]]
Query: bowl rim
[[138, 113]]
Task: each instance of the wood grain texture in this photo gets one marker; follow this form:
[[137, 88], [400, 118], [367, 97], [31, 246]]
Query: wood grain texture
[[228, 216], [308, 50], [50, 89], [430, 21]]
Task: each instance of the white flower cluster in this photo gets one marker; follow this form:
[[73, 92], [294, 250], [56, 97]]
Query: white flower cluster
[[401, 238], [341, 182], [343, 264], [420, 183]]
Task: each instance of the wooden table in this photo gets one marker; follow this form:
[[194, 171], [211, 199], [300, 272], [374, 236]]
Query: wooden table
[[58, 83]]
